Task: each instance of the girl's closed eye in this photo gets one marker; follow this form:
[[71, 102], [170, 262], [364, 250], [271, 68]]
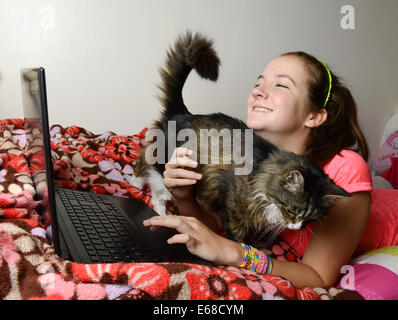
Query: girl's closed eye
[[282, 86]]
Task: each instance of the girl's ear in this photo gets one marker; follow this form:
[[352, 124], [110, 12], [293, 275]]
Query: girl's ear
[[315, 119]]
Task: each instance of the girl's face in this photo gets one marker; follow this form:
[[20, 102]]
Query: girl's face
[[276, 105]]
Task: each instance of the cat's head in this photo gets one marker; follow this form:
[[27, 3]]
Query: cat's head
[[292, 191]]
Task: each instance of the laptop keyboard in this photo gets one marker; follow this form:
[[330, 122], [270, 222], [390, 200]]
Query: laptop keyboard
[[101, 228]]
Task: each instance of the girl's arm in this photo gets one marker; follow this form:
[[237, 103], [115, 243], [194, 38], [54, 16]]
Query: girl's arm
[[337, 236], [332, 245], [179, 179]]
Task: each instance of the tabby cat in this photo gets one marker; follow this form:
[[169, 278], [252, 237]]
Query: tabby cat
[[283, 189]]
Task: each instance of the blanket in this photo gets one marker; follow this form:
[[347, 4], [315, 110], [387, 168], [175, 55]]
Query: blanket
[[103, 163]]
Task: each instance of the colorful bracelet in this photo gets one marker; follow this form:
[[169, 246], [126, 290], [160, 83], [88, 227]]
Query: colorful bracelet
[[255, 260], [270, 266]]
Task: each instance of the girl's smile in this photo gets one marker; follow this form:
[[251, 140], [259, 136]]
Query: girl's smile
[[260, 108]]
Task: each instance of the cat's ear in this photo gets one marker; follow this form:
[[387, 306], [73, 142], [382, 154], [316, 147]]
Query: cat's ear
[[334, 194], [294, 181]]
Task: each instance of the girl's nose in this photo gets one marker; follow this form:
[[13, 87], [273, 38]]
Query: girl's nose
[[260, 92]]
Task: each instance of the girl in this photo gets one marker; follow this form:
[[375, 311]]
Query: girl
[[299, 106]]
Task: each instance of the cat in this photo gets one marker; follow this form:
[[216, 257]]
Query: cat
[[283, 189]]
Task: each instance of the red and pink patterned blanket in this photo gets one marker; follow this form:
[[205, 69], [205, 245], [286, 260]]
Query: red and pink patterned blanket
[[100, 163]]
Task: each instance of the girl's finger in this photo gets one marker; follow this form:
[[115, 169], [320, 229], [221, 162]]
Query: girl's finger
[[181, 174], [183, 152], [154, 228], [172, 183], [179, 154], [178, 223], [179, 238], [181, 162]]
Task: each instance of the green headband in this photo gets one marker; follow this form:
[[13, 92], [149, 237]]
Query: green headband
[[330, 84]]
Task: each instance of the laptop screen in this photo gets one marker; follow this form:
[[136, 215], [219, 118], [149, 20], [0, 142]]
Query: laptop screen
[[34, 101]]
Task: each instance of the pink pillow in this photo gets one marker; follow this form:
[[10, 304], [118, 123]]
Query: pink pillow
[[391, 174], [382, 228], [388, 150], [374, 275]]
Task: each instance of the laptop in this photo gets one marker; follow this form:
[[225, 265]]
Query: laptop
[[88, 227]]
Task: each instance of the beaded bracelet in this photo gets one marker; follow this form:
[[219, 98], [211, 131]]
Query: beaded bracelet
[[255, 260], [270, 266]]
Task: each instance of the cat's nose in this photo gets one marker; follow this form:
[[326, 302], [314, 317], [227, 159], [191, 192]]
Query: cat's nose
[[294, 226]]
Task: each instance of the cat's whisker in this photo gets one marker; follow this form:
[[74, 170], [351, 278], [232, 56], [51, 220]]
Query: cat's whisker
[[275, 230], [312, 232], [269, 241], [300, 237], [324, 218], [271, 226], [268, 235], [262, 233], [267, 232], [267, 228], [306, 236], [282, 228]]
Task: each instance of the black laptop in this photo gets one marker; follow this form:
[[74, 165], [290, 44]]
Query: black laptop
[[88, 227]]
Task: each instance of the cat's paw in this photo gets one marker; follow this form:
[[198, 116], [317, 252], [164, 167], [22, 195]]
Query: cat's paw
[[136, 182], [159, 200], [165, 195], [159, 206]]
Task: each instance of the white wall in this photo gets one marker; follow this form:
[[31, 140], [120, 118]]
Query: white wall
[[101, 56]]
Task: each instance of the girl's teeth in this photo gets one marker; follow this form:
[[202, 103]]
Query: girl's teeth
[[261, 109]]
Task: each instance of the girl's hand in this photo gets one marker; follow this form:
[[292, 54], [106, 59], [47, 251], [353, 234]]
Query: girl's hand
[[199, 239], [177, 179]]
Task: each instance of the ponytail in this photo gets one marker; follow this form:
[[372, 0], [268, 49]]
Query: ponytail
[[341, 130]]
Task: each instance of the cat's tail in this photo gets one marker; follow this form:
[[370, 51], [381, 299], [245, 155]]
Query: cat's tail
[[189, 52]]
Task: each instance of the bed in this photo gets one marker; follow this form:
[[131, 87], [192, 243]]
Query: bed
[[102, 163]]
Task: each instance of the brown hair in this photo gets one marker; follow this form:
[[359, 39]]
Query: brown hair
[[341, 130]]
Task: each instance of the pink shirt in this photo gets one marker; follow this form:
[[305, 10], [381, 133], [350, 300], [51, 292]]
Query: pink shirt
[[350, 172]]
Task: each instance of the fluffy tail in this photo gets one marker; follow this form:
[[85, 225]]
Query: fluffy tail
[[189, 52]]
